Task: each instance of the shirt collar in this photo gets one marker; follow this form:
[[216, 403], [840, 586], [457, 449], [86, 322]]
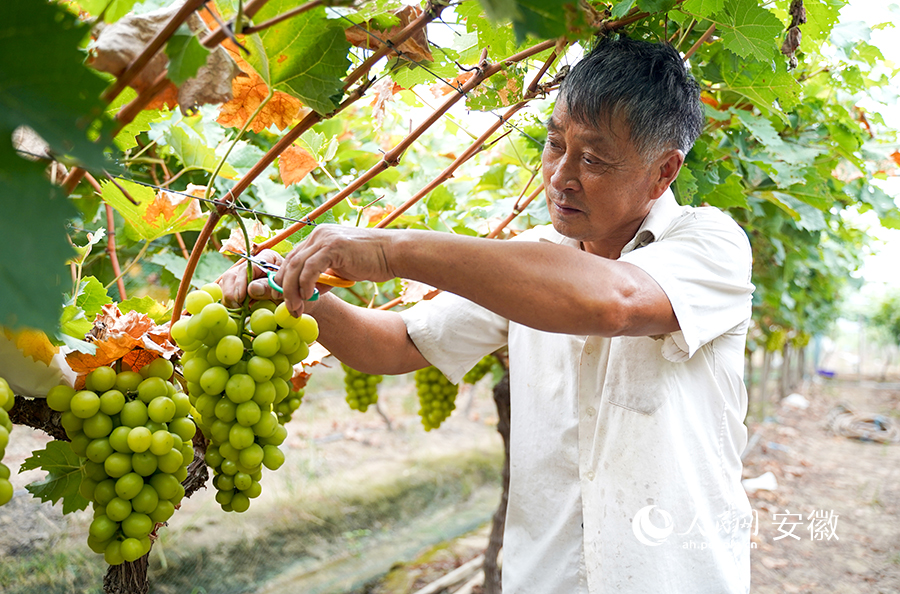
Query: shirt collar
[[664, 210]]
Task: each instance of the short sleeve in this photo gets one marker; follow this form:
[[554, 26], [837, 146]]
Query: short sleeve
[[703, 264], [453, 334]]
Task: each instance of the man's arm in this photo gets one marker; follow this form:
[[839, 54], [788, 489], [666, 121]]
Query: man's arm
[[545, 286]]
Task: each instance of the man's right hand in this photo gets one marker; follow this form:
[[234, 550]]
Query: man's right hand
[[234, 282]]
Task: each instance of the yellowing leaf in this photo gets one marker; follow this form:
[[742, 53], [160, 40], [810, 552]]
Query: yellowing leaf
[[249, 91], [165, 208], [33, 343], [294, 164]]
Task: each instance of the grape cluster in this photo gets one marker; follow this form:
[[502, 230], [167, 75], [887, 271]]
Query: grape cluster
[[7, 398], [362, 388], [481, 369], [238, 373], [136, 434], [437, 397]]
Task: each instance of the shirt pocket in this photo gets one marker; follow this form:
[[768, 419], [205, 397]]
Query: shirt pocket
[[638, 377]]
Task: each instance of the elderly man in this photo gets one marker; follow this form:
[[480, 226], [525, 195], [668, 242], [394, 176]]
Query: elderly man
[[625, 321]]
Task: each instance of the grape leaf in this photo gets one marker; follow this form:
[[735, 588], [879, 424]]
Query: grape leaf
[[74, 323], [728, 194], [194, 154], [34, 226], [40, 41], [821, 16], [500, 41], [63, 476], [210, 266], [295, 211], [685, 186], [146, 305], [186, 55], [542, 19], [765, 88], [92, 296], [621, 9], [703, 8], [305, 58], [748, 30], [148, 220], [501, 90], [652, 6]]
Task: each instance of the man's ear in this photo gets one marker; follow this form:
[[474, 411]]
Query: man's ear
[[667, 165]]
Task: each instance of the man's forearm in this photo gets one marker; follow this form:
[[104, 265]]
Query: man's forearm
[[545, 286], [368, 340]]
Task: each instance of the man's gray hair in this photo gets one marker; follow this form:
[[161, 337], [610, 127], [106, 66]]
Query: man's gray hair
[[645, 83]]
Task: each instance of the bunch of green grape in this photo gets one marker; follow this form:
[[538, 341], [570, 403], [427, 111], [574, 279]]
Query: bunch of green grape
[[286, 407], [362, 388], [481, 369], [7, 399], [437, 397], [237, 372], [136, 434]]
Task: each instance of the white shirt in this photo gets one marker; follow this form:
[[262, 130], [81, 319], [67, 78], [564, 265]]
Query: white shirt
[[625, 453]]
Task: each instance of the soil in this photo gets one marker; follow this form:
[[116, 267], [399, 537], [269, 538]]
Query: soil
[[853, 485]]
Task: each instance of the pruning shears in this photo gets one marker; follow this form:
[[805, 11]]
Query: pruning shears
[[270, 270]]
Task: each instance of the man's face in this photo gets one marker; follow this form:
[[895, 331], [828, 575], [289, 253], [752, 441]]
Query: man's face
[[598, 187]]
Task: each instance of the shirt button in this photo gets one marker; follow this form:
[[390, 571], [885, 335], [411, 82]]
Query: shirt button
[[588, 349], [591, 411], [590, 475]]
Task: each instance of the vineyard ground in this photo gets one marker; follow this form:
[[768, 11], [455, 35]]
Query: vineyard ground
[[353, 499], [817, 470]]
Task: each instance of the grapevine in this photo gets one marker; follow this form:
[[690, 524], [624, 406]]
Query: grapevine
[[7, 398], [238, 373], [437, 397], [134, 431], [362, 388]]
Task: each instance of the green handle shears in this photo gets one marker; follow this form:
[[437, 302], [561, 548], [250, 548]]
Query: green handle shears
[[270, 270]]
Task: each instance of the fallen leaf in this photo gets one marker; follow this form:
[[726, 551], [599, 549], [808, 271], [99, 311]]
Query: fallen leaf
[[116, 335], [414, 49], [294, 164]]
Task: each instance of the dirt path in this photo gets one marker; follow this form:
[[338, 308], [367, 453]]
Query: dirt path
[[853, 485]]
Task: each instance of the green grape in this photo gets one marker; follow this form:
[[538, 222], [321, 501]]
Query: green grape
[[437, 397], [103, 528], [240, 388], [70, 422], [183, 427], [117, 464], [85, 404], [263, 320], [226, 410], [481, 369], [214, 379], [105, 491], [214, 317], [170, 462], [139, 439], [229, 350], [266, 344], [284, 318], [195, 301], [137, 525], [252, 455], [132, 549], [144, 463], [248, 413], [260, 369], [118, 509], [160, 367], [214, 290], [361, 388], [59, 398], [161, 410], [100, 379], [111, 402], [151, 388], [100, 425], [164, 510], [99, 450], [289, 341], [307, 328], [273, 457]]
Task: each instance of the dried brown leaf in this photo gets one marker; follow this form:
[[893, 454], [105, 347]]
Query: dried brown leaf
[[294, 164], [441, 88], [415, 48], [414, 291], [235, 241], [116, 335]]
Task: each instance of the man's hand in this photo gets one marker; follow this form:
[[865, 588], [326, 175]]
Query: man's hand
[[351, 253], [234, 282]]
